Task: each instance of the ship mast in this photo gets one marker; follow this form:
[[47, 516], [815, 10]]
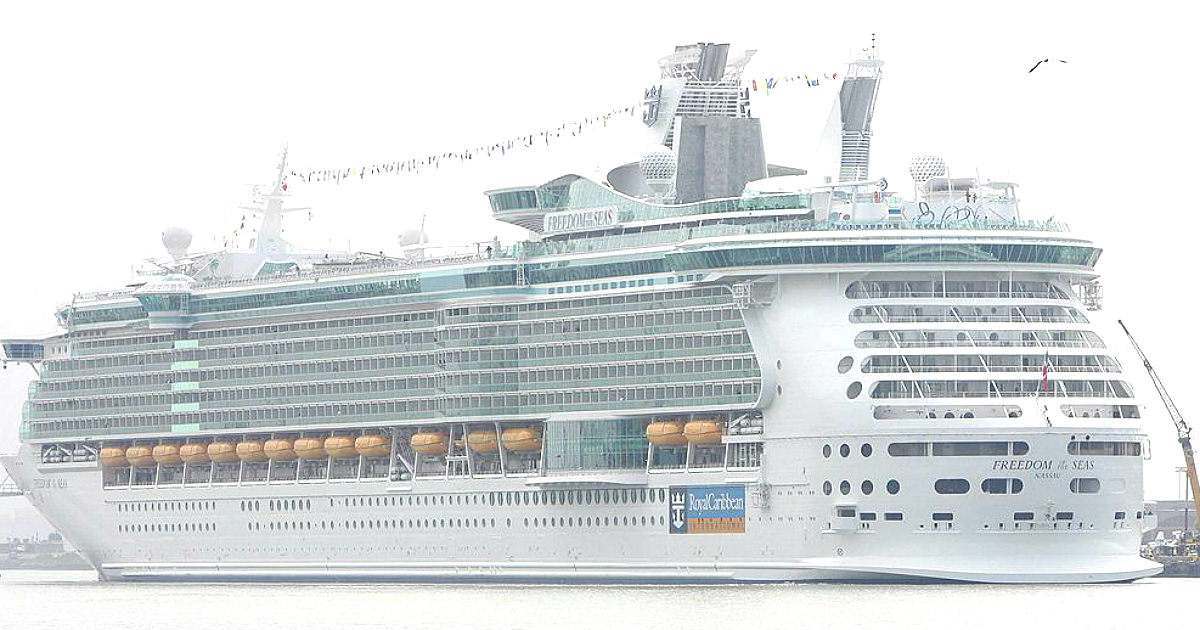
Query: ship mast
[[270, 208]]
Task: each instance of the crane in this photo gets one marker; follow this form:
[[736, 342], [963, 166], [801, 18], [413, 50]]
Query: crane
[[1181, 427]]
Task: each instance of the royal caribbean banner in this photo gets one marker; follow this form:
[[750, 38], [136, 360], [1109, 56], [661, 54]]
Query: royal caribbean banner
[[707, 510]]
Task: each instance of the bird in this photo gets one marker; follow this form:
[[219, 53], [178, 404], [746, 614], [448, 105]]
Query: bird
[[1035, 66]]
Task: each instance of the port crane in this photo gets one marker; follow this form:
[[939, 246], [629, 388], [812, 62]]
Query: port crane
[[1181, 427]]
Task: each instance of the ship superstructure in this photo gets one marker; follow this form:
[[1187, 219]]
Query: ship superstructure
[[822, 382]]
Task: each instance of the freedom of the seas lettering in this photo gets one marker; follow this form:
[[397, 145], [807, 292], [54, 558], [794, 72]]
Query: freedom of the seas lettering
[[707, 510], [580, 219], [1043, 468]]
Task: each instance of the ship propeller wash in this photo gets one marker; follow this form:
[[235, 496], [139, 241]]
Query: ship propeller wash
[[706, 368]]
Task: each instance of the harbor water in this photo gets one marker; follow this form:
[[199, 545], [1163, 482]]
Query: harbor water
[[33, 600]]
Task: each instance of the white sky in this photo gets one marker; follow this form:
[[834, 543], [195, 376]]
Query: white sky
[[119, 119]]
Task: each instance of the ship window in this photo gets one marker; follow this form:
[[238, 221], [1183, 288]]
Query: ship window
[[827, 451], [1022, 516], [844, 450], [943, 516], [866, 450], [1085, 485], [1119, 516], [845, 487], [952, 486], [1064, 516], [854, 390], [827, 488], [1002, 486], [845, 364], [893, 486], [866, 516], [867, 487], [893, 516], [908, 449], [1094, 448], [846, 512]]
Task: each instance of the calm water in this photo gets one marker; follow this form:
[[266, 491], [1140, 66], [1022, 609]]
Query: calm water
[[55, 599]]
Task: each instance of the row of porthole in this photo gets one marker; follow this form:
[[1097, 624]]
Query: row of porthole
[[844, 450], [867, 487], [166, 506], [166, 528]]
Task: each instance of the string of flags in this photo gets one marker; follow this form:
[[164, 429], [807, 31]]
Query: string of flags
[[495, 149], [541, 138], [774, 82]]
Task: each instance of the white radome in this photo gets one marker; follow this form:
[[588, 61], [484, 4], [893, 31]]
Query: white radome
[[659, 164], [925, 167], [177, 240]]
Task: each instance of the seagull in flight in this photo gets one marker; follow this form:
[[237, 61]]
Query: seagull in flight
[[1035, 66]]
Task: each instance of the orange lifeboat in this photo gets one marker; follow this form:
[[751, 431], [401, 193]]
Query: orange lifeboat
[[373, 446], [113, 456], [310, 448], [140, 456], [194, 453], [223, 452], [167, 454], [522, 439], [341, 446], [703, 431], [280, 450], [483, 441], [431, 443], [251, 451], [666, 433]]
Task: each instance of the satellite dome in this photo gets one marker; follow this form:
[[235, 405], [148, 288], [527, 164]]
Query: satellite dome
[[177, 240], [925, 167], [658, 163]]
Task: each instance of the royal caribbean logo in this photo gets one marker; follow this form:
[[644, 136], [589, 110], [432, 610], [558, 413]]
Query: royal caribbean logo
[[707, 510]]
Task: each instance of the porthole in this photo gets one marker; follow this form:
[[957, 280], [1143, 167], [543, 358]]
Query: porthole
[[845, 487], [845, 364], [778, 365], [951, 486], [867, 486], [893, 486], [779, 389], [854, 390], [827, 488], [844, 450], [866, 450], [827, 451]]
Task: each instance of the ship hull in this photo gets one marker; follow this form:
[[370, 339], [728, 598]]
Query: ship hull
[[369, 532]]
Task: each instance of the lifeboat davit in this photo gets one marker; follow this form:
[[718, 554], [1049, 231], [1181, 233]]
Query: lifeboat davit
[[251, 451], [113, 456], [431, 443], [280, 450], [140, 456], [167, 454], [373, 446], [703, 431], [483, 441], [521, 439], [666, 433], [341, 446], [223, 452], [310, 448], [194, 453]]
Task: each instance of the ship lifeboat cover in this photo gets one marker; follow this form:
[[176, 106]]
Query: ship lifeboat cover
[[522, 439], [251, 451], [483, 441], [222, 452], [194, 453], [666, 433], [703, 432], [280, 450], [431, 443], [113, 456], [167, 454], [139, 456], [340, 446], [310, 448], [373, 446]]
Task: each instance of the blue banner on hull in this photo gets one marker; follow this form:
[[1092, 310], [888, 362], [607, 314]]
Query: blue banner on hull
[[707, 510]]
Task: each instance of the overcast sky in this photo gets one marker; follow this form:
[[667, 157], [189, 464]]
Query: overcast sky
[[120, 119]]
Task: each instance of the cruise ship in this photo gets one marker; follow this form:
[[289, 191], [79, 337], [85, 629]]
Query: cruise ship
[[700, 367]]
